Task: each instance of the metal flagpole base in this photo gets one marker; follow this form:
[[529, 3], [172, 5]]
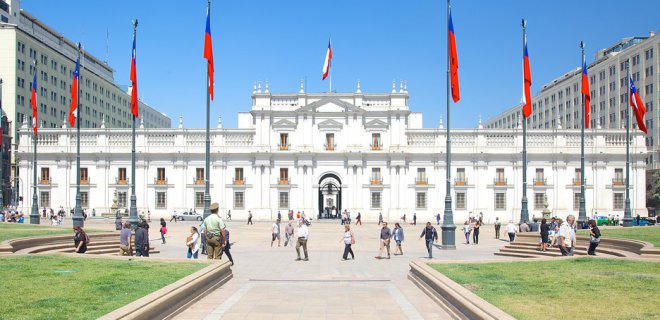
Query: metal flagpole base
[[34, 213], [78, 219], [207, 205], [627, 215], [133, 212], [448, 227]]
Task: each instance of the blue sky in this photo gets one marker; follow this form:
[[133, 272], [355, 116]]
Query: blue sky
[[375, 41]]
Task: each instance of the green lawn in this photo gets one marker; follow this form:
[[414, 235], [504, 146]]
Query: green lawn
[[16, 230], [57, 287], [569, 288], [648, 234]]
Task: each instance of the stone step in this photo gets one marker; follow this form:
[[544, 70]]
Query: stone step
[[579, 250], [533, 252], [516, 255]]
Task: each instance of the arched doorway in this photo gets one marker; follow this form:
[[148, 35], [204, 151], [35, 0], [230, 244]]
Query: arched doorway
[[329, 196]]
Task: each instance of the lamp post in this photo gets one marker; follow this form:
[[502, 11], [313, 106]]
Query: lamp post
[[2, 155], [448, 227]]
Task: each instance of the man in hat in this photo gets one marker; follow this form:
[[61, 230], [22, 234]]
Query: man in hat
[[214, 231]]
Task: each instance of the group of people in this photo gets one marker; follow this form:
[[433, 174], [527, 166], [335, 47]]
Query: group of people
[[472, 227], [429, 233], [562, 233], [12, 215]]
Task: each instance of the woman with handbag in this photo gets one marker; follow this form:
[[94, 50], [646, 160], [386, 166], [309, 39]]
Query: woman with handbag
[[594, 237], [192, 242], [397, 234], [349, 239]]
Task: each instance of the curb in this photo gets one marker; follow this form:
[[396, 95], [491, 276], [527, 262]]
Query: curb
[[173, 299], [454, 298]]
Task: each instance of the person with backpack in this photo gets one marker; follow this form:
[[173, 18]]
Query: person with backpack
[[594, 237], [430, 235], [80, 240], [163, 229]]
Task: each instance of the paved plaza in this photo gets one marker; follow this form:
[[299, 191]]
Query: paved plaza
[[269, 284]]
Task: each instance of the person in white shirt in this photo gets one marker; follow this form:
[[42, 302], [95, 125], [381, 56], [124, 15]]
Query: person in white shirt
[[192, 242], [511, 230], [567, 236], [303, 235], [276, 233]]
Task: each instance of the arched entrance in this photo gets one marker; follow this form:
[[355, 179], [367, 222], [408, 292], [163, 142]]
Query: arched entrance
[[329, 196]]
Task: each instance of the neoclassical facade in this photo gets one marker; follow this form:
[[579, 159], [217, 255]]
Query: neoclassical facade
[[356, 151]]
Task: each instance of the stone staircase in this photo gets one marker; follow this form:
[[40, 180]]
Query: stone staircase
[[100, 244], [527, 246]]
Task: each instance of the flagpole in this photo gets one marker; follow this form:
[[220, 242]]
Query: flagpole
[[78, 219], [2, 181], [207, 195], [582, 214], [133, 212], [627, 214], [34, 214], [448, 227], [524, 212]]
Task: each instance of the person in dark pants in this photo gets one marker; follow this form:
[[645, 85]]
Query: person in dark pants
[[141, 241], [163, 229], [498, 225], [80, 240], [414, 218], [348, 239], [594, 237], [545, 232], [430, 235], [475, 232], [227, 246], [249, 217]]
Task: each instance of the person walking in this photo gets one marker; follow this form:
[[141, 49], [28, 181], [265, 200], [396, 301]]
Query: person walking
[[414, 218], [498, 225], [358, 219], [385, 236], [545, 232], [397, 234], [567, 236], [80, 240], [229, 214], [125, 236], [192, 242], [430, 235], [349, 239], [279, 216], [173, 217], [141, 241], [475, 232], [380, 218], [437, 218], [511, 230], [249, 217], [163, 229], [276, 233], [303, 235], [288, 233], [467, 229], [118, 223], [227, 246], [201, 233], [214, 231]]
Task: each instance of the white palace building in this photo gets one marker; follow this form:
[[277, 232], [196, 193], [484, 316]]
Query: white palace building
[[358, 151]]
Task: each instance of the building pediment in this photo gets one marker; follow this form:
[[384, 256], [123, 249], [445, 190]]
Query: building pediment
[[330, 105], [330, 125], [284, 124], [376, 124]]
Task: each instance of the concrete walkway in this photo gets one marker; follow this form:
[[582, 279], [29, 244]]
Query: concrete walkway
[[269, 284]]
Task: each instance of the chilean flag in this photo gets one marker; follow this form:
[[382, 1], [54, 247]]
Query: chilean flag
[[208, 51], [453, 62], [134, 92], [587, 94], [74, 94], [527, 82], [328, 58], [637, 106], [33, 102]]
